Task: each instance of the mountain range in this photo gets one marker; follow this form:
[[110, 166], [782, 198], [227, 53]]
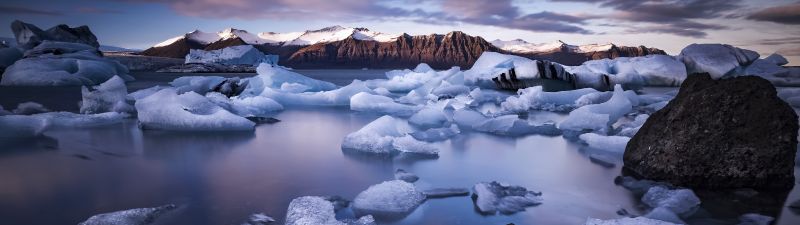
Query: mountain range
[[342, 47]]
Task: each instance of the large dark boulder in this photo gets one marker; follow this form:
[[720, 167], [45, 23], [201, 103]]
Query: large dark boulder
[[718, 134], [29, 35]]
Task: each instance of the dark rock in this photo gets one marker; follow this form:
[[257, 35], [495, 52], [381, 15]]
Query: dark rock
[[28, 35], [718, 134]]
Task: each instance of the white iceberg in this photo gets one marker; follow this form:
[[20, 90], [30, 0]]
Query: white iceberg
[[29, 108], [633, 72], [107, 97], [313, 210], [77, 68], [537, 99], [336, 97], [409, 144], [432, 115], [233, 55], [715, 59], [436, 134], [493, 197], [679, 201], [71, 120], [273, 77], [776, 59], [663, 214], [386, 135], [168, 110], [512, 125], [598, 117], [614, 144], [366, 102], [390, 199]]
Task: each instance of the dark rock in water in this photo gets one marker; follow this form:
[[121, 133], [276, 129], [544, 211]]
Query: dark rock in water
[[445, 192], [401, 174], [262, 120], [28, 35], [140, 216], [718, 134]]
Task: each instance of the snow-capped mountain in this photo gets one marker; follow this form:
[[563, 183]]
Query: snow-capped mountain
[[521, 46], [309, 37]]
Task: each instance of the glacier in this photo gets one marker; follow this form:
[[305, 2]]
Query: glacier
[[234, 55]]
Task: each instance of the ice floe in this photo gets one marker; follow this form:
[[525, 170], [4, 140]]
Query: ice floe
[[390, 199], [615, 144], [627, 221], [679, 201], [598, 117], [233, 55], [29, 108], [85, 67], [313, 210], [493, 197], [20, 126], [401, 174], [168, 110], [366, 102], [110, 96], [386, 135], [717, 60], [259, 219], [140, 216]]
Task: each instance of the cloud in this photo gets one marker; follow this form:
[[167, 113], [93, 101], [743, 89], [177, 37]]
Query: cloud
[[789, 51], [780, 41], [97, 10], [786, 14], [499, 13], [668, 16], [29, 11]]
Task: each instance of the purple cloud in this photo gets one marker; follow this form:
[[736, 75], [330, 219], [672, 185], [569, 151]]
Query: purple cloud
[[25, 10], [785, 14]]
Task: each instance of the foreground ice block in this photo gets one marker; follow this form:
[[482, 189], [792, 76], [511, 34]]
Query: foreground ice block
[[598, 117], [107, 97], [313, 210], [168, 110], [386, 135], [614, 144], [141, 216], [390, 199], [493, 197], [366, 102], [679, 201]]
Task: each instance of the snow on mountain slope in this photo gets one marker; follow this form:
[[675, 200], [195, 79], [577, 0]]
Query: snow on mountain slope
[[310, 37], [521, 46]]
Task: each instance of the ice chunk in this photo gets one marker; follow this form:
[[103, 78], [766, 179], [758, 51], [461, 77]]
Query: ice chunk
[[70, 120], [79, 68], [468, 118], [598, 117], [259, 219], [663, 214], [445, 192], [390, 199], [447, 90], [140, 216], [627, 221], [423, 68], [608, 143], [633, 72], [632, 128], [255, 106], [715, 59], [755, 219], [366, 102], [313, 210], [274, 77], [168, 110], [408, 144], [233, 55], [536, 98], [493, 197], [776, 59], [28, 108], [401, 174], [679, 201], [512, 125], [140, 94], [480, 96], [19, 126], [337, 97], [106, 97], [436, 134], [198, 84], [378, 136], [428, 117]]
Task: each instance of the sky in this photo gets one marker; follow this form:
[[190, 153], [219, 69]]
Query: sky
[[765, 26]]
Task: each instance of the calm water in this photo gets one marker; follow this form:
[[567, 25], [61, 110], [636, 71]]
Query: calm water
[[222, 178]]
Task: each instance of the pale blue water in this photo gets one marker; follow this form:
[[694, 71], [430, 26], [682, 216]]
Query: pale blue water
[[222, 178]]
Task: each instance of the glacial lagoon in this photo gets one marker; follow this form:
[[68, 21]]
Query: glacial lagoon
[[223, 177]]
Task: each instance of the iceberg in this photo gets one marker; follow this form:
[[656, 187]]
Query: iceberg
[[493, 197], [389, 199], [633, 72], [29, 108], [401, 174], [168, 110], [386, 135], [71, 120], [141, 216], [512, 125], [408, 144], [107, 97], [19, 126], [598, 117], [776, 59], [627, 221], [436, 134], [366, 102], [431, 116], [663, 214], [537, 99], [614, 144], [313, 210], [233, 55], [78, 68], [336, 97], [755, 219], [259, 219], [679, 201], [273, 77], [717, 60]]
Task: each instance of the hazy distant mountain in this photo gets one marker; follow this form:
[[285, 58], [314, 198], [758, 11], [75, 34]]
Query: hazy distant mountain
[[341, 47]]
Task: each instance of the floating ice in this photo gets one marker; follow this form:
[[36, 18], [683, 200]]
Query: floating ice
[[70, 120], [436, 134], [233, 55], [140, 216], [487, 95], [337, 97], [76, 68], [445, 192], [633, 127], [313, 210], [401, 174], [19, 126], [663, 214], [378, 136], [447, 90], [275, 77], [28, 108], [536, 98], [627, 221], [608, 143], [755, 219], [431, 116], [198, 84], [168, 110], [366, 102], [679, 201], [408, 144], [633, 72], [598, 117], [390, 199], [140, 94], [259, 219], [106, 97], [512, 125], [716, 59], [492, 197], [777, 59]]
